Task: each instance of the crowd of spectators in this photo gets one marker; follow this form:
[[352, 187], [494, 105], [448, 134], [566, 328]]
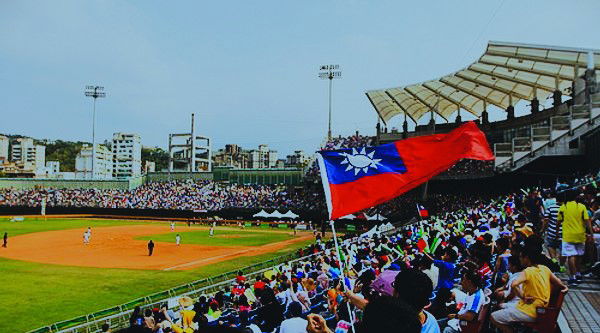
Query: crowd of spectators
[[182, 195], [469, 169], [476, 256]]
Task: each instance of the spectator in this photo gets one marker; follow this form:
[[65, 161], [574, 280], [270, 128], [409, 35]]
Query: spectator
[[532, 287], [472, 298], [294, 323], [574, 219], [414, 288]]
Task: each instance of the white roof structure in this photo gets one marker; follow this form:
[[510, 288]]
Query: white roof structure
[[276, 214], [376, 217], [262, 213], [290, 215], [348, 217], [503, 75]]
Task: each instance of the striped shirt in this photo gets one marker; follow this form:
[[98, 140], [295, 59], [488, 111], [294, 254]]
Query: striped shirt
[[554, 231], [473, 302]]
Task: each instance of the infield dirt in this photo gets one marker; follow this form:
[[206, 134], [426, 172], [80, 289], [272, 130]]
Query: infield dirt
[[117, 247]]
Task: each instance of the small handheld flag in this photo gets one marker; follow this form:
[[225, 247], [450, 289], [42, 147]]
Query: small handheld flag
[[423, 213]]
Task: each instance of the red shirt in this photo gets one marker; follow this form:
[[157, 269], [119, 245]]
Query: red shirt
[[259, 285], [484, 270]]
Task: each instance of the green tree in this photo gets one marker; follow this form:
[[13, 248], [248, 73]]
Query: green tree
[[157, 155]]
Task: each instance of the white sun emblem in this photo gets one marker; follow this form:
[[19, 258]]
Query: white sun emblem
[[360, 161]]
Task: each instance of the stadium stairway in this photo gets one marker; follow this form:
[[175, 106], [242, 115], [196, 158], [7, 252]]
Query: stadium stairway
[[550, 138]]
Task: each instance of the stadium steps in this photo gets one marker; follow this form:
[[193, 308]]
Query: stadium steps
[[542, 139], [545, 140]]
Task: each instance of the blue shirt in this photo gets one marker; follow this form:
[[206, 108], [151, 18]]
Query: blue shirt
[[446, 275], [430, 325]]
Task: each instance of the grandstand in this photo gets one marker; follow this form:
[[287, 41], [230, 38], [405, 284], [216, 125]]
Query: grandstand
[[504, 75]]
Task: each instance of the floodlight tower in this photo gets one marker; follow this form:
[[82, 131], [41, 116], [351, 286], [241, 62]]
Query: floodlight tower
[[94, 92], [330, 72]]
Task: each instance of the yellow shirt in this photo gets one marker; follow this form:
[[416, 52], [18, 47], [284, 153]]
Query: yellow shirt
[[573, 216], [536, 285], [187, 318]]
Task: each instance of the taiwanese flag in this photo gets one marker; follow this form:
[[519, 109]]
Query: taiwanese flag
[[423, 213], [360, 178]]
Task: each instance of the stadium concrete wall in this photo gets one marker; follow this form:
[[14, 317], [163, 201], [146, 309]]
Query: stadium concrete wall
[[167, 176], [33, 183]]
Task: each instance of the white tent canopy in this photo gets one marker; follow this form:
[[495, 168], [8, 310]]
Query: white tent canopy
[[348, 217], [290, 215], [376, 217], [262, 213], [276, 214]]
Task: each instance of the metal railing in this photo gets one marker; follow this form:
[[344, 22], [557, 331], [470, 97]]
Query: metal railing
[[118, 316]]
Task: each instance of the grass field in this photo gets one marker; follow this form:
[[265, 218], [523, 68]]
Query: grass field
[[34, 294], [222, 237]]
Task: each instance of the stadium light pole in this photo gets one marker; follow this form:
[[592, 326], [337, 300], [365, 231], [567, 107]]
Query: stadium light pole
[[329, 72], [94, 92]]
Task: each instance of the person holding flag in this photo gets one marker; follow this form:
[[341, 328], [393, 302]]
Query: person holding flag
[[423, 213], [359, 178]]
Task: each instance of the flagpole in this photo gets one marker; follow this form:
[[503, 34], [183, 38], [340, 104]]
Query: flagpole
[[337, 252], [419, 213]]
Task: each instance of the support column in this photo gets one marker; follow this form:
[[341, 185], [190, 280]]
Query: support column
[[458, 117], [535, 105], [405, 127], [484, 114], [557, 95], [556, 98], [510, 110], [535, 102]]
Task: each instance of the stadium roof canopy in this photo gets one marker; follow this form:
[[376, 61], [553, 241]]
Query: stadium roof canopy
[[503, 75]]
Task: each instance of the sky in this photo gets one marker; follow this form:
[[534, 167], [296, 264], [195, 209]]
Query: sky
[[247, 69]]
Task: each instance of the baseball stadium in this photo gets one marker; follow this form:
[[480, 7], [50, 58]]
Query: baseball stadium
[[471, 205]]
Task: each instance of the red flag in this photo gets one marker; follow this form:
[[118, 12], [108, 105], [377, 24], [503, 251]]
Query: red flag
[[423, 213], [356, 179]]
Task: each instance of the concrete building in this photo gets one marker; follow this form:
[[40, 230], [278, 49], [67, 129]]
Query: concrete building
[[232, 156], [103, 167], [297, 159], [127, 155], [51, 170], [3, 148], [149, 166], [53, 167], [263, 158], [27, 156], [189, 152]]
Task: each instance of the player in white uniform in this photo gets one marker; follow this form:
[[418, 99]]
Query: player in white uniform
[[172, 226], [211, 232], [86, 237], [177, 239]]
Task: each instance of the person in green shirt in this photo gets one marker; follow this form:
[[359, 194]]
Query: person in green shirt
[[576, 226]]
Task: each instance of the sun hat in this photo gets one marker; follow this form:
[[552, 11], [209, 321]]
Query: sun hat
[[185, 301]]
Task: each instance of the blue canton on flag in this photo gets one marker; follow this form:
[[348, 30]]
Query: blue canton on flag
[[348, 165]]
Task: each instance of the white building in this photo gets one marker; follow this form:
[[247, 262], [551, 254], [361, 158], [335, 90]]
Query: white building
[[53, 167], [103, 167], [3, 148], [51, 170], [127, 155], [297, 159], [263, 158], [28, 156], [149, 167]]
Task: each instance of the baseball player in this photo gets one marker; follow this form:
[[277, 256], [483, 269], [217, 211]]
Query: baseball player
[[172, 226], [86, 237], [177, 239]]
